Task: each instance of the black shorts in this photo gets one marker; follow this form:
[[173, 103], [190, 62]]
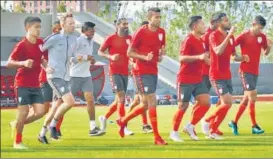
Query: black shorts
[[119, 82], [222, 87], [249, 81], [47, 92], [185, 91], [146, 84], [207, 82], [29, 96]]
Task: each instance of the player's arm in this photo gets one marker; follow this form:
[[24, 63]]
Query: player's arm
[[132, 53], [238, 58], [219, 49], [49, 42], [268, 47], [14, 59]]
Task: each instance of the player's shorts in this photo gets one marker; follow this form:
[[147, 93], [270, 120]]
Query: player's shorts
[[222, 87], [59, 86], [47, 92], [207, 81], [185, 91], [119, 82], [135, 83], [249, 81], [146, 84], [28, 96], [84, 84]]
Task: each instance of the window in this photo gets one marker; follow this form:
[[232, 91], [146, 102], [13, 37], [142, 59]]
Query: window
[[41, 3], [47, 3], [35, 3], [47, 10], [30, 4], [35, 11]]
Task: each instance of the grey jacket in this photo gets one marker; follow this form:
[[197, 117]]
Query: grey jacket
[[61, 48]]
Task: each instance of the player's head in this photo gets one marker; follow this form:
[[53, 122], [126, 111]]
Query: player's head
[[144, 23], [258, 24], [33, 26], [213, 23], [222, 21], [88, 29], [68, 23], [56, 28], [197, 25], [154, 16], [122, 26]]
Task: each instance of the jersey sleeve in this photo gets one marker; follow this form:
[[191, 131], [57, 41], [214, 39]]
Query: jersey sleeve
[[136, 39], [106, 44], [239, 40], [265, 44], [49, 42], [185, 48], [17, 52]]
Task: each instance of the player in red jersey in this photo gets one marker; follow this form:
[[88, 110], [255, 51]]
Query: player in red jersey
[[222, 47], [146, 128], [252, 42], [26, 57], [189, 79], [205, 72], [117, 45], [146, 45]]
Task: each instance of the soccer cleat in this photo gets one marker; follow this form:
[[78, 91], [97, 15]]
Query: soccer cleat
[[121, 128], [12, 125], [205, 127], [215, 136], [20, 146], [53, 133], [257, 130], [103, 122], [174, 135], [42, 139], [218, 132], [147, 129], [189, 129], [96, 132], [128, 132], [234, 127], [59, 134], [160, 141]]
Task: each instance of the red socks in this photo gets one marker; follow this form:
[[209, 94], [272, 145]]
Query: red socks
[[135, 112], [153, 120], [144, 118], [111, 110], [18, 138], [121, 109], [241, 110], [198, 113], [221, 113], [252, 112], [177, 119]]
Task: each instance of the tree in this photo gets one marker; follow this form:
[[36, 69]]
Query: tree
[[61, 8], [19, 8]]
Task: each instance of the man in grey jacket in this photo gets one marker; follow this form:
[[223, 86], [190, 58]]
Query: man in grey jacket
[[61, 48], [81, 79]]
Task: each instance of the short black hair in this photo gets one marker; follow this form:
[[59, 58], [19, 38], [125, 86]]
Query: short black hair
[[118, 21], [57, 22], [144, 23], [30, 20], [217, 17], [153, 9], [260, 20], [193, 20], [87, 25]]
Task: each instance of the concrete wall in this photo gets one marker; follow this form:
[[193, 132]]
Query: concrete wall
[[12, 24]]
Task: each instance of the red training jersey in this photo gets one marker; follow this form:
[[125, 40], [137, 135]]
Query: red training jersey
[[251, 45], [205, 67]]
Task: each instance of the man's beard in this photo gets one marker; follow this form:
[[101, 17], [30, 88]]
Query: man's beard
[[124, 31]]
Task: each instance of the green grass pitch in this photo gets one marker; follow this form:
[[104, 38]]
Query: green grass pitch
[[77, 143]]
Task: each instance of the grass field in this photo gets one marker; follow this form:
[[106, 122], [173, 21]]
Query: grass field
[[77, 144]]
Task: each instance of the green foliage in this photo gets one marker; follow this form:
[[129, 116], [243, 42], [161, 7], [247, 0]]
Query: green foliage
[[61, 8], [19, 8]]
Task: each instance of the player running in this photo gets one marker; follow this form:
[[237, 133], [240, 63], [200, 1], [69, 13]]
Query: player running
[[252, 42], [26, 57], [81, 79], [145, 48], [222, 46], [117, 45], [189, 79]]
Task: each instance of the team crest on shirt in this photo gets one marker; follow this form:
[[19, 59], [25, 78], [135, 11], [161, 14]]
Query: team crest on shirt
[[231, 41], [182, 96], [259, 39], [160, 36], [116, 87], [128, 41], [62, 89], [247, 86], [20, 99]]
